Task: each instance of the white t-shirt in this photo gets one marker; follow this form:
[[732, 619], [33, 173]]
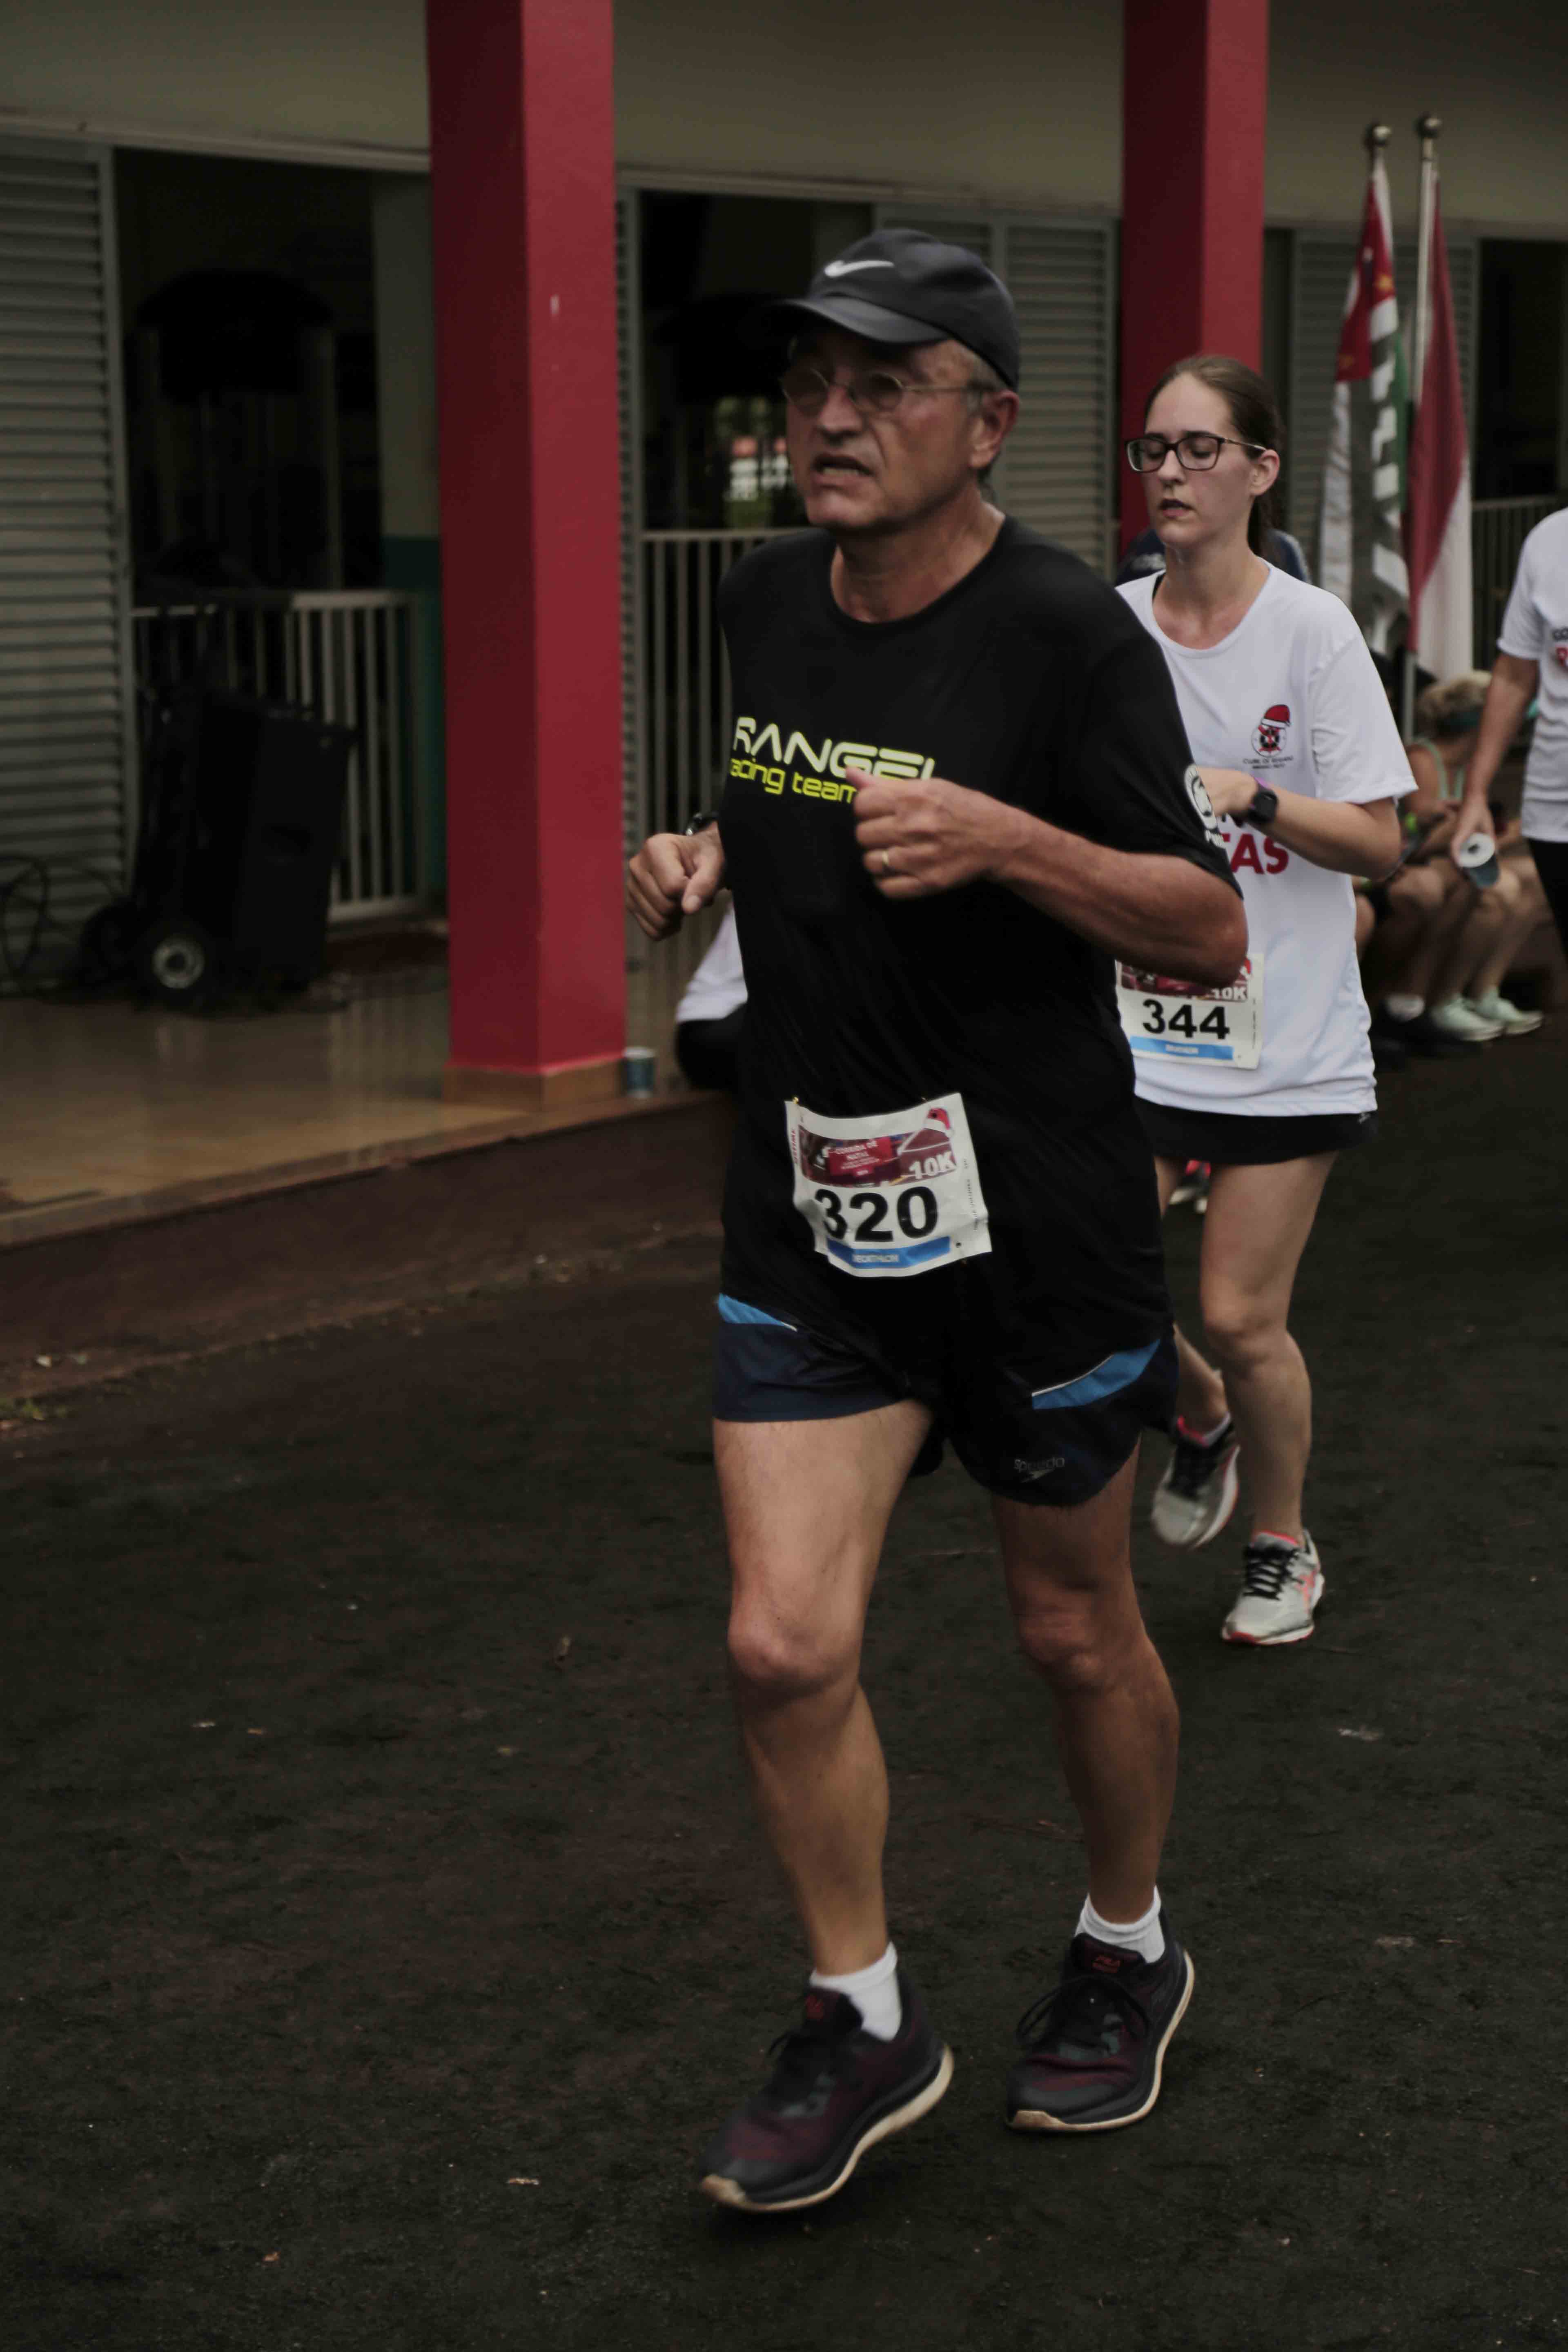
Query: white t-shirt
[[1292, 698], [718, 985], [1535, 628]]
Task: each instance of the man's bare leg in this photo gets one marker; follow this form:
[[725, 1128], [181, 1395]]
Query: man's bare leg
[[1070, 1581], [806, 1506], [1094, 2046]]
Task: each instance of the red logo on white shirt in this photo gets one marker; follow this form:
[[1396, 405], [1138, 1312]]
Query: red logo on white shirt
[[1270, 737]]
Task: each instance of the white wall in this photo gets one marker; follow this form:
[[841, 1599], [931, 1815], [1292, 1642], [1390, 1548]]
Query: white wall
[[336, 74], [1016, 101], [1497, 76]]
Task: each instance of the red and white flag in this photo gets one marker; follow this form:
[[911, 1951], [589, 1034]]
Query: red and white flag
[[1438, 522], [1360, 535]]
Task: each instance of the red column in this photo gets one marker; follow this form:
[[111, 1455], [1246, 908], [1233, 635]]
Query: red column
[[522, 193], [1194, 99]]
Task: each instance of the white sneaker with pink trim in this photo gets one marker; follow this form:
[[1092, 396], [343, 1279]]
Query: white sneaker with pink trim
[[1197, 1494], [1281, 1585]]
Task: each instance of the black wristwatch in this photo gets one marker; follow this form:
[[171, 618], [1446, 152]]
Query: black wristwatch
[[700, 822], [1261, 809]]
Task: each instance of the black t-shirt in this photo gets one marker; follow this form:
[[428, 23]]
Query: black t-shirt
[[1031, 680]]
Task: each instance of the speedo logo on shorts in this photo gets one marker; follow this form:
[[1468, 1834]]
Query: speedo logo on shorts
[[815, 770]]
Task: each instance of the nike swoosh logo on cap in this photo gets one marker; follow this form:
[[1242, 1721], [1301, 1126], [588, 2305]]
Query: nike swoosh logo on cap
[[842, 268]]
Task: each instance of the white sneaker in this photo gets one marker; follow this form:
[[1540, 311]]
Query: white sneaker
[[1281, 1585], [1512, 1019], [1197, 1493], [1459, 1018]]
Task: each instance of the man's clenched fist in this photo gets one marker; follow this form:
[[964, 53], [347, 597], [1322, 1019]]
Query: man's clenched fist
[[918, 838], [673, 874]]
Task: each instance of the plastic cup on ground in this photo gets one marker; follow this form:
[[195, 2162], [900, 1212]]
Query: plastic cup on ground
[[1476, 859], [639, 1067]]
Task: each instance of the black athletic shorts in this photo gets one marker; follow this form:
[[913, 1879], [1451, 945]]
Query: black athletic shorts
[[1229, 1138], [1551, 865], [1058, 1444]]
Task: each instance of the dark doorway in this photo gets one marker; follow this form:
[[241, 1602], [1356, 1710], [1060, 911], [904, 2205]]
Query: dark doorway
[[713, 420], [247, 306], [1520, 421]]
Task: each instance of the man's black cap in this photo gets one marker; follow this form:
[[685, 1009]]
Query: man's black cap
[[899, 286]]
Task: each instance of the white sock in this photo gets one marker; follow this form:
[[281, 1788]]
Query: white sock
[[875, 1994], [1146, 1937], [1405, 1008]]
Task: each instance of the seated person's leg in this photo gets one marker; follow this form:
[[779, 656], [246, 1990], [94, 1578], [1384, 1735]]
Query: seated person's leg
[[1524, 911], [1428, 906]]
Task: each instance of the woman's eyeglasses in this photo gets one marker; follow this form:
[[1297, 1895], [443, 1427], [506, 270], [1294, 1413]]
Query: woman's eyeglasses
[[1196, 453]]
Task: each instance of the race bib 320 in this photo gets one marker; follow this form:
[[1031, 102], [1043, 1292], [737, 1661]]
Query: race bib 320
[[897, 1194]]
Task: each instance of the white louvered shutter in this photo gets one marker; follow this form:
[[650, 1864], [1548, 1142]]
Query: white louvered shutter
[[65, 699], [1319, 275], [1055, 473], [1056, 470]]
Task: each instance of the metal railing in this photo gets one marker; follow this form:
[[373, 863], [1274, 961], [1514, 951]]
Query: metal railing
[[684, 680], [680, 744], [349, 655], [1498, 529]]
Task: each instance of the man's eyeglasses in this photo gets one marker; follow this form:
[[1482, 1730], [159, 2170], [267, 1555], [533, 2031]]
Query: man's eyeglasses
[[878, 393], [1195, 452]]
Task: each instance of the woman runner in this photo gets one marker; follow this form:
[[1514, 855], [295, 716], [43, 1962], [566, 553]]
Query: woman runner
[[1299, 758]]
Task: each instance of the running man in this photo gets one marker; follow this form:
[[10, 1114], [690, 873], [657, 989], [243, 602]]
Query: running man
[[1303, 766], [1532, 660], [958, 785]]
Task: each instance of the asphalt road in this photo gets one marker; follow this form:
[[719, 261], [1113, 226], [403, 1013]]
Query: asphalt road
[[386, 1928]]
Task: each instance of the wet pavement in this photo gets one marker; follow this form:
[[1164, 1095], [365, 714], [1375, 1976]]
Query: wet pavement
[[386, 1928]]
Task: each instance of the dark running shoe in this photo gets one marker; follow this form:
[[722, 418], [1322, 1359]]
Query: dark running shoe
[[1094, 2048], [834, 2093]]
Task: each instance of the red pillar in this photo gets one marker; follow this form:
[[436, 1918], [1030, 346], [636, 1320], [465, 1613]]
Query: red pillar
[[523, 195], [1194, 99]]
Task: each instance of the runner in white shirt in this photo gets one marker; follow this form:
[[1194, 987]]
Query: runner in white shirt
[[708, 1017], [1532, 658], [1300, 758]]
